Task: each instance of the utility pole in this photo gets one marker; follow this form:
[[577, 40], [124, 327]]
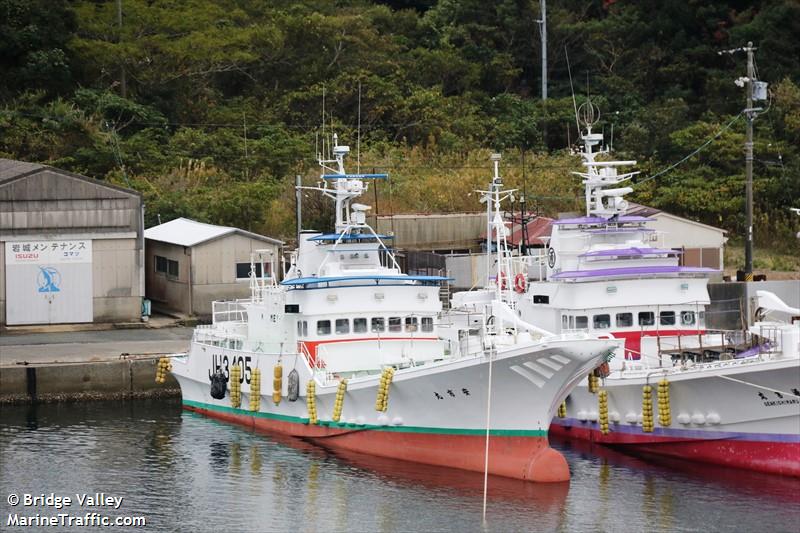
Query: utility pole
[[123, 85], [755, 91], [543, 34], [748, 160], [298, 205]]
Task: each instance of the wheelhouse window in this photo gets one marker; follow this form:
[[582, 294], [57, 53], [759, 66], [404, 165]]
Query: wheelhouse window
[[581, 322], [601, 321], [305, 328], [427, 324], [687, 318], [378, 324], [323, 327], [359, 325], [411, 324], [666, 318], [647, 318], [243, 270], [299, 328], [564, 322], [571, 322], [395, 323], [624, 320], [342, 326]]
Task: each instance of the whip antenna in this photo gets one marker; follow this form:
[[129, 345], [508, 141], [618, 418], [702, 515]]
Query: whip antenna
[[572, 89]]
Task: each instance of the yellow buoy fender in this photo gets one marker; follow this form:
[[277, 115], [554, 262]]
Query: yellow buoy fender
[[255, 390], [311, 402]]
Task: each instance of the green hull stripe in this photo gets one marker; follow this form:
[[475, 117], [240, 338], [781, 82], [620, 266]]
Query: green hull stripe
[[396, 429]]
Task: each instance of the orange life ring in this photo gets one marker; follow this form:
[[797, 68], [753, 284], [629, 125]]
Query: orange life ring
[[520, 282], [502, 280]]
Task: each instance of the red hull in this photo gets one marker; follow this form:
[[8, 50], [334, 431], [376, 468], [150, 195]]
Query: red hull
[[528, 458], [762, 456]]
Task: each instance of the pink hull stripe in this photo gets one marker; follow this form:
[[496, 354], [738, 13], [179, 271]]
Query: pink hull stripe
[[772, 454], [680, 433]]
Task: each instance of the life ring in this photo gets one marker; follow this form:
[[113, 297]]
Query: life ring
[[502, 280], [520, 283]]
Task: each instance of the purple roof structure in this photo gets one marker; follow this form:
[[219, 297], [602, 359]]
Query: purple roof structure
[[632, 272], [601, 220], [628, 252]]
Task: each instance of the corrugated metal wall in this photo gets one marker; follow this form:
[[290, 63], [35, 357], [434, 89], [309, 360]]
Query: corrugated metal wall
[[456, 231], [214, 269]]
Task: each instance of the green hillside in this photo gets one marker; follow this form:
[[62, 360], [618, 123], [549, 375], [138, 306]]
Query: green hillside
[[211, 107]]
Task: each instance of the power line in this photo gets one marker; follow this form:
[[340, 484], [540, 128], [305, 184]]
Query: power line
[[701, 147]]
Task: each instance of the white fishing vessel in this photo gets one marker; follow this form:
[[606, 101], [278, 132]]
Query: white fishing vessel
[[676, 389], [362, 358]]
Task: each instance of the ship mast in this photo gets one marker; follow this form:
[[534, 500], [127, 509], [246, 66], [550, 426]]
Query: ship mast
[[493, 198], [601, 201]]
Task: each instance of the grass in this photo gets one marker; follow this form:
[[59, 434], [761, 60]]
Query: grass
[[775, 264]]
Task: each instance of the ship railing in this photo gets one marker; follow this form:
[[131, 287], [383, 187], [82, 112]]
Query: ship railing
[[211, 336], [317, 364], [535, 264], [229, 310]]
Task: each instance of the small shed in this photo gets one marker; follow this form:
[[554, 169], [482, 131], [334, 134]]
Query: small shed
[[191, 264], [71, 247]]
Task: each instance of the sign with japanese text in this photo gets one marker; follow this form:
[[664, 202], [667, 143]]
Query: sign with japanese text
[[48, 252]]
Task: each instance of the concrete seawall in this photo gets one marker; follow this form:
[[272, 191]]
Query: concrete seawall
[[130, 377], [68, 364]]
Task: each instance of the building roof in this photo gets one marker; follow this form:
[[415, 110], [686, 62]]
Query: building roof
[[538, 232], [647, 211], [187, 232], [12, 170], [635, 209]]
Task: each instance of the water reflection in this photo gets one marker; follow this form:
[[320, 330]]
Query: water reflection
[[186, 472]]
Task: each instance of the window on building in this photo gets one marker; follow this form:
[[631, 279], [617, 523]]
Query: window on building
[[687, 318], [323, 327], [359, 325], [601, 321], [395, 323], [243, 270], [624, 320], [172, 269], [666, 318], [342, 326], [581, 322], [378, 324], [411, 324], [427, 323], [647, 318], [161, 264]]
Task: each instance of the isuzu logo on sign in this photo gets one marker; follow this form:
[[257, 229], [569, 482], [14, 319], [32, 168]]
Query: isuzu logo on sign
[[48, 252]]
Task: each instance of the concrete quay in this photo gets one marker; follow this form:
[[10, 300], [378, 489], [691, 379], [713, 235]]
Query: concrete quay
[[56, 364]]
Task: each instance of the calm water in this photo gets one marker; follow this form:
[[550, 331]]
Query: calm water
[[184, 472]]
